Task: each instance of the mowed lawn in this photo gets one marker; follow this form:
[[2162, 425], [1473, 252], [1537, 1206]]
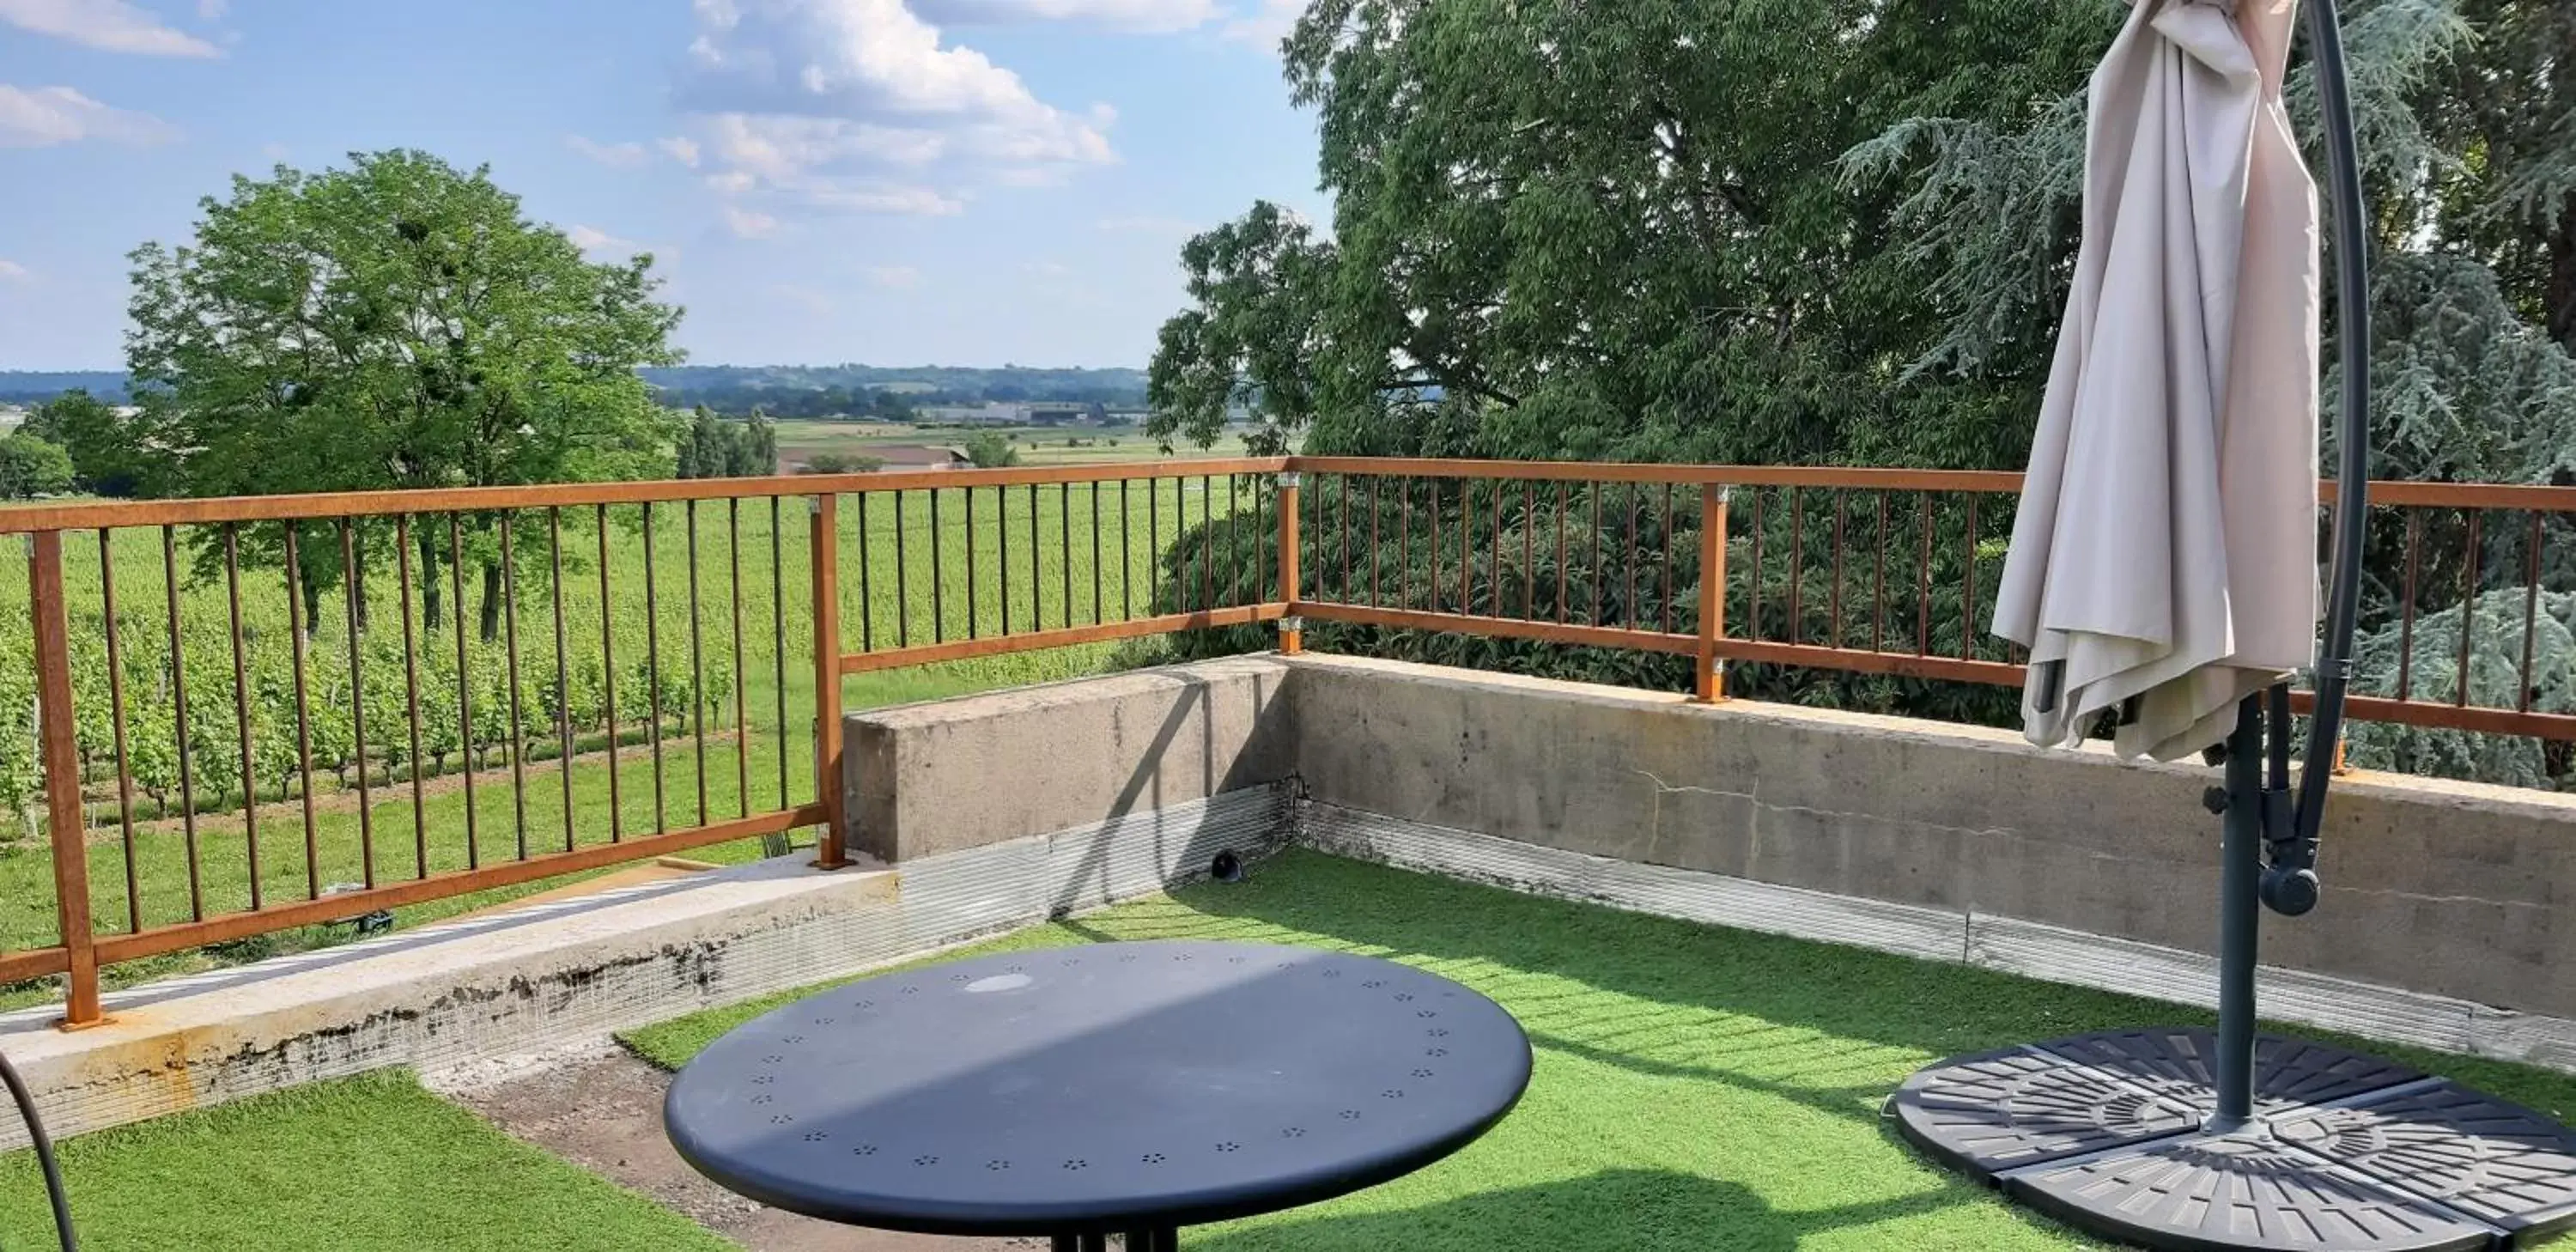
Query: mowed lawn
[[1696, 1088], [367, 1164], [902, 580]]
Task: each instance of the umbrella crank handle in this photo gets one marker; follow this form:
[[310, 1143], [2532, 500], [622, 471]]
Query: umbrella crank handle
[[2289, 882]]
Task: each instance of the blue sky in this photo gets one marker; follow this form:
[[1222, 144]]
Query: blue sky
[[966, 182]]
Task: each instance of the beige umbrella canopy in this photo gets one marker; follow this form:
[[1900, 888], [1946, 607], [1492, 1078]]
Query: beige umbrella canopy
[[2164, 558]]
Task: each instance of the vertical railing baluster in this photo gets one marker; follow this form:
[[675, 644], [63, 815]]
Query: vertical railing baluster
[[116, 721], [563, 665], [1563, 597], [1923, 575], [1835, 613], [825, 550], [742, 677], [1037, 572], [1291, 583], [465, 683], [295, 628], [902, 580], [1668, 528], [608, 666], [778, 622], [938, 576], [1345, 500], [179, 720], [1600, 580], [411, 691], [517, 747], [697, 662], [1064, 553], [2530, 612], [1753, 580], [1878, 580], [653, 674], [1126, 555], [1466, 546], [1404, 543], [2468, 606], [867, 580], [1628, 577], [1431, 521], [1968, 590], [356, 618], [1710, 679], [1377, 509], [1153, 543], [1797, 630], [66, 825], [1097, 613], [241, 709], [1207, 543]]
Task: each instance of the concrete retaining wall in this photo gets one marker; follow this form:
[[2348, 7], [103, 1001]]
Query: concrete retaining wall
[[2454, 890], [930, 778]]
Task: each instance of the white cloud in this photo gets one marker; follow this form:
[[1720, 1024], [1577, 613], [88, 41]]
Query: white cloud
[[614, 155], [109, 25], [1140, 16], [680, 148], [1267, 23], [825, 101], [749, 223], [212, 10], [12, 272], [599, 244], [1047, 269], [40, 117], [895, 277]]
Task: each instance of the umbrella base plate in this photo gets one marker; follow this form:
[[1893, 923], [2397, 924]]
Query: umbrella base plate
[[2106, 1133]]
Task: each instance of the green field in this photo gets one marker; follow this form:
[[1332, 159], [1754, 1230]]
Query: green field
[[1039, 445], [744, 763]]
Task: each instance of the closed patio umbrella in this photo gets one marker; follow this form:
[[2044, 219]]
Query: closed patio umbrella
[[2163, 561]]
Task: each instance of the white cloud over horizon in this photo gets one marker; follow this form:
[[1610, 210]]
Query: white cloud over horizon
[[749, 223], [12, 272], [1146, 17], [626, 155], [108, 25], [863, 106], [41, 117]]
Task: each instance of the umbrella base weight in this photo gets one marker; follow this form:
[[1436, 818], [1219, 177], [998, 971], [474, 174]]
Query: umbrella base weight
[[2107, 1132]]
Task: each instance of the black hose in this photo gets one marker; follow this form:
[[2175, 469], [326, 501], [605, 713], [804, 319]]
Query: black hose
[[2352, 293], [44, 1146]]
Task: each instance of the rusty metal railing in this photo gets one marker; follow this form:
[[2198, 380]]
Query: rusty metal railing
[[229, 739]]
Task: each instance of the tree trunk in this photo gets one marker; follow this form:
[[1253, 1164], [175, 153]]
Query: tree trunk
[[491, 601], [429, 584], [312, 607]]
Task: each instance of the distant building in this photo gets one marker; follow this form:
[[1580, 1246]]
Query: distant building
[[990, 414]]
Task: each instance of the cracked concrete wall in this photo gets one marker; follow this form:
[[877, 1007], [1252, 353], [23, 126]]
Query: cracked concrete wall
[[2453, 889], [962, 773]]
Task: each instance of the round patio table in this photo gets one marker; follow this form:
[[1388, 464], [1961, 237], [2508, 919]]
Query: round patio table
[[1127, 1088]]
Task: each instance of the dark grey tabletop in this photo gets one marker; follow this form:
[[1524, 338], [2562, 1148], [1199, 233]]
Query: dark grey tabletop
[[1098, 1088]]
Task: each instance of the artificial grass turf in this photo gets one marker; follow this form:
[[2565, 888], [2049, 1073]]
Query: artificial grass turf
[[368, 1164], [1695, 1087]]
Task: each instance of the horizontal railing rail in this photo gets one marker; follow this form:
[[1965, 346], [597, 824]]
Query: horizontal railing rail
[[239, 716]]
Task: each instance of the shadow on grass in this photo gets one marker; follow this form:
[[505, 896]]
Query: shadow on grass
[[1832, 1028], [1626, 1210]]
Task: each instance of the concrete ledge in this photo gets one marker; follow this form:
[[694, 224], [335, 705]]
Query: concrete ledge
[[2455, 890], [2044, 952], [535, 979], [925, 779]]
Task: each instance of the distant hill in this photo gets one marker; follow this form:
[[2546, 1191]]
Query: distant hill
[[780, 388], [38, 386]]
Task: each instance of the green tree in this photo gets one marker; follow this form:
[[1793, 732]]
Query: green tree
[[843, 463], [992, 451], [31, 467], [396, 323], [112, 453]]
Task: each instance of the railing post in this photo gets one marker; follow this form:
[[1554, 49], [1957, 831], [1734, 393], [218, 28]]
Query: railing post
[[1292, 635], [1710, 684], [61, 757], [824, 545]]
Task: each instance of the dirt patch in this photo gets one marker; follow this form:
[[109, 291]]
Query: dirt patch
[[602, 1110]]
